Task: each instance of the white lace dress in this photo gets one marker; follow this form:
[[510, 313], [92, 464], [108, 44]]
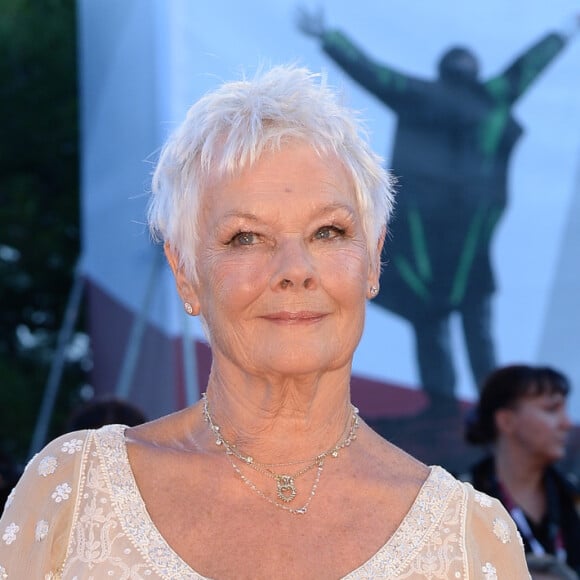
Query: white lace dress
[[77, 514]]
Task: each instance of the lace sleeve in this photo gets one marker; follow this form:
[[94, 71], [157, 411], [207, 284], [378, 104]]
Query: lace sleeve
[[36, 524], [494, 547]]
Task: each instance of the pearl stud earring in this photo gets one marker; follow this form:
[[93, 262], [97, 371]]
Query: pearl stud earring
[[188, 308]]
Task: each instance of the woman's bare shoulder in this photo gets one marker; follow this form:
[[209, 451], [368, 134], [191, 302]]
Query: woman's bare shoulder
[[173, 431], [392, 462]]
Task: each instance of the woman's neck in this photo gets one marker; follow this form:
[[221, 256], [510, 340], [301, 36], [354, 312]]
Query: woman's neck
[[523, 478], [280, 420]]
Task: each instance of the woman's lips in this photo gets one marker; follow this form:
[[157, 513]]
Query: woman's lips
[[302, 317]]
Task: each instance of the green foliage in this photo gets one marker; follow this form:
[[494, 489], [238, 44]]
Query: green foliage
[[39, 204]]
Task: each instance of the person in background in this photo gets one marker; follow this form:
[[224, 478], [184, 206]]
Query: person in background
[[522, 417], [104, 411], [273, 210]]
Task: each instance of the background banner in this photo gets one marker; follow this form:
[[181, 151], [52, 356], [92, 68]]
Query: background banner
[[476, 108]]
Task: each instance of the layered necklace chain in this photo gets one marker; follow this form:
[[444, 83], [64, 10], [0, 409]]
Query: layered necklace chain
[[286, 490]]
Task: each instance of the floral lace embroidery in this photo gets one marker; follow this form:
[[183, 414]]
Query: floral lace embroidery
[[132, 513], [41, 530], [489, 571], [502, 530], [429, 540], [98, 543], [47, 465], [72, 446], [62, 492], [3, 574], [10, 533]]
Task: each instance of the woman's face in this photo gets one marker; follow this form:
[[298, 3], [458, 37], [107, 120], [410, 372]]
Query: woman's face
[[283, 266], [540, 424]]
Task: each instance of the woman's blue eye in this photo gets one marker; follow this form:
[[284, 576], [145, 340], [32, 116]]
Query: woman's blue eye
[[328, 233], [244, 239]]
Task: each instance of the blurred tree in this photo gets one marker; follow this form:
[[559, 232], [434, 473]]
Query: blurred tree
[[39, 206]]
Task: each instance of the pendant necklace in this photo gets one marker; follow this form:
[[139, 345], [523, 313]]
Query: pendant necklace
[[286, 489]]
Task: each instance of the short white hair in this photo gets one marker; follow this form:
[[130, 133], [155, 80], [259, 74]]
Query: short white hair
[[229, 128]]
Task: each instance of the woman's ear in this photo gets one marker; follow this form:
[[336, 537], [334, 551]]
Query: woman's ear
[[375, 265], [185, 287], [505, 421]]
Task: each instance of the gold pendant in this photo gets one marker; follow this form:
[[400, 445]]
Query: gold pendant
[[286, 488]]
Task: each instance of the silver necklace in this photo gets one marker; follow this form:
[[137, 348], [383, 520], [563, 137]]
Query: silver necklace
[[286, 489]]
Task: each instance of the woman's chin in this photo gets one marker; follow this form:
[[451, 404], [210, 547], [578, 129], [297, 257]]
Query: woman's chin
[[300, 364]]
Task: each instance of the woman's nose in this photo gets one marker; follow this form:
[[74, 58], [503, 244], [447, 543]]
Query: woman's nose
[[565, 420], [294, 266]]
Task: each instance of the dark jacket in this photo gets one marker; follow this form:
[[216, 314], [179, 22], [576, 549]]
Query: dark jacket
[[563, 500]]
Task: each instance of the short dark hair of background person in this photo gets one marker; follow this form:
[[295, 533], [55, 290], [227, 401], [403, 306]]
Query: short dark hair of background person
[[502, 389], [99, 412]]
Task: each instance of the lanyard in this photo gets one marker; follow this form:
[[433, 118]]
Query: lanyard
[[522, 522]]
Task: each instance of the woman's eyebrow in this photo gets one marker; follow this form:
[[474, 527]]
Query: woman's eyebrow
[[332, 207], [234, 214]]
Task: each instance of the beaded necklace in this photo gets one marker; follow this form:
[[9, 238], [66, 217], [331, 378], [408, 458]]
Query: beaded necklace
[[286, 490]]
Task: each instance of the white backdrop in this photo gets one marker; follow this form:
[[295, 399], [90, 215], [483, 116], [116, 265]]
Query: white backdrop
[[146, 61]]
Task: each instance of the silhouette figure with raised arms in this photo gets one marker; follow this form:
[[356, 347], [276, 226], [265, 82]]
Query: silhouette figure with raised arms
[[452, 147]]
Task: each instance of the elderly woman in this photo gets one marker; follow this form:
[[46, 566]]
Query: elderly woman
[[521, 416], [272, 209]]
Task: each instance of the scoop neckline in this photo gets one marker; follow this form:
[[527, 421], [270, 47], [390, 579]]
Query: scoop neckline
[[131, 509]]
